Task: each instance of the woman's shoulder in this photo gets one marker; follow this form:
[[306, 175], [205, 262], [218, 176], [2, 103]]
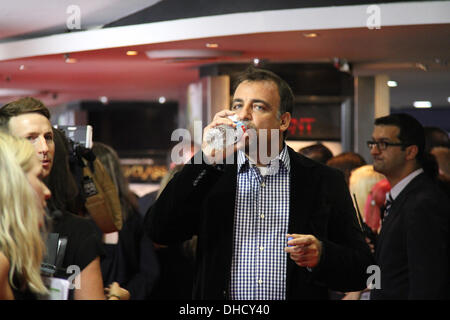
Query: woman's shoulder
[[5, 289], [4, 266]]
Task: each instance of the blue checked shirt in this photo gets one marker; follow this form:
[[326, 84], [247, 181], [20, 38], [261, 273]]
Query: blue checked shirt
[[258, 268]]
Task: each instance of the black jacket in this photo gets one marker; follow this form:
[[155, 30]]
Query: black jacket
[[413, 246]]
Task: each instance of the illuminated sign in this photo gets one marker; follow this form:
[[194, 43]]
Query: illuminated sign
[[315, 122], [301, 126]]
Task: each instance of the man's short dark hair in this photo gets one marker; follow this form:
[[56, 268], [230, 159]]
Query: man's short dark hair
[[436, 137], [346, 162], [317, 152], [257, 74], [19, 107], [411, 131]]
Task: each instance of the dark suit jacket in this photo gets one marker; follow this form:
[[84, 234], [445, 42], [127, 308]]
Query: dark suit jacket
[[412, 248], [201, 200]]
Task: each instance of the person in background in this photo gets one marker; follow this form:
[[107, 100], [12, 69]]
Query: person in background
[[29, 118], [130, 264], [362, 181], [412, 250], [375, 205], [317, 152], [364, 190], [23, 198], [442, 155], [436, 137], [346, 162]]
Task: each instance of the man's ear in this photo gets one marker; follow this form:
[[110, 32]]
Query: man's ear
[[285, 120], [411, 152]]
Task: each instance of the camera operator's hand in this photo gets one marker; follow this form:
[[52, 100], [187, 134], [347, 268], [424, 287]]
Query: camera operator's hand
[[217, 156]]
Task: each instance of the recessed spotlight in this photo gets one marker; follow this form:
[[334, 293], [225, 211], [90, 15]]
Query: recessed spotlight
[[212, 45], [256, 61], [22, 67], [422, 104], [162, 100], [132, 53], [392, 84], [310, 35], [70, 60], [103, 99]]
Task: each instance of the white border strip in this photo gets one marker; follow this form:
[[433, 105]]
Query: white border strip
[[392, 14]]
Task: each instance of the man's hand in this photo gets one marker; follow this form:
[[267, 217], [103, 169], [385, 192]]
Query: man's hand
[[217, 156], [304, 249]]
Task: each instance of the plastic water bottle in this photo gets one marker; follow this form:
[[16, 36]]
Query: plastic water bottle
[[216, 137]]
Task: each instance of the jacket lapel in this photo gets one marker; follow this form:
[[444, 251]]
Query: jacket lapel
[[301, 193], [301, 203]]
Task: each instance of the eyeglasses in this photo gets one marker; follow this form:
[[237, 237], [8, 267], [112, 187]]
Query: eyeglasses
[[382, 145]]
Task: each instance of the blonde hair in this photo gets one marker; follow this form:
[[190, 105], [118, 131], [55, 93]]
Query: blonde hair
[[20, 238], [361, 182]]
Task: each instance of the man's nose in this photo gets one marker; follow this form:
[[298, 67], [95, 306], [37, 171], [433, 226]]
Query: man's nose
[[245, 113], [374, 150], [42, 146]]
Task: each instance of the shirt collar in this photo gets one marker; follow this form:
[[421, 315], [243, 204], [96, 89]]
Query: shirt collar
[[395, 191], [283, 158]]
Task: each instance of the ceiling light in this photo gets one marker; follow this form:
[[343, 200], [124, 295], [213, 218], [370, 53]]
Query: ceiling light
[[422, 104], [256, 61], [68, 59], [132, 53], [22, 67], [212, 45], [103, 99], [71, 60], [310, 35], [448, 99], [162, 100], [190, 53], [392, 84], [17, 92]]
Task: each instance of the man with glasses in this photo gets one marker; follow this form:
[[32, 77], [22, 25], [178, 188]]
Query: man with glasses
[[413, 246]]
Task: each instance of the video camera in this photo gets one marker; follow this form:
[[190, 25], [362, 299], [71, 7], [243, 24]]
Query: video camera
[[80, 135]]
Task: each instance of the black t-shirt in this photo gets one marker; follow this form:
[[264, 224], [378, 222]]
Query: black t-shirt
[[84, 243], [22, 292]]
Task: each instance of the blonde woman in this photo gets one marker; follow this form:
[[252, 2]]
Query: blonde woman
[[362, 180], [22, 201]]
